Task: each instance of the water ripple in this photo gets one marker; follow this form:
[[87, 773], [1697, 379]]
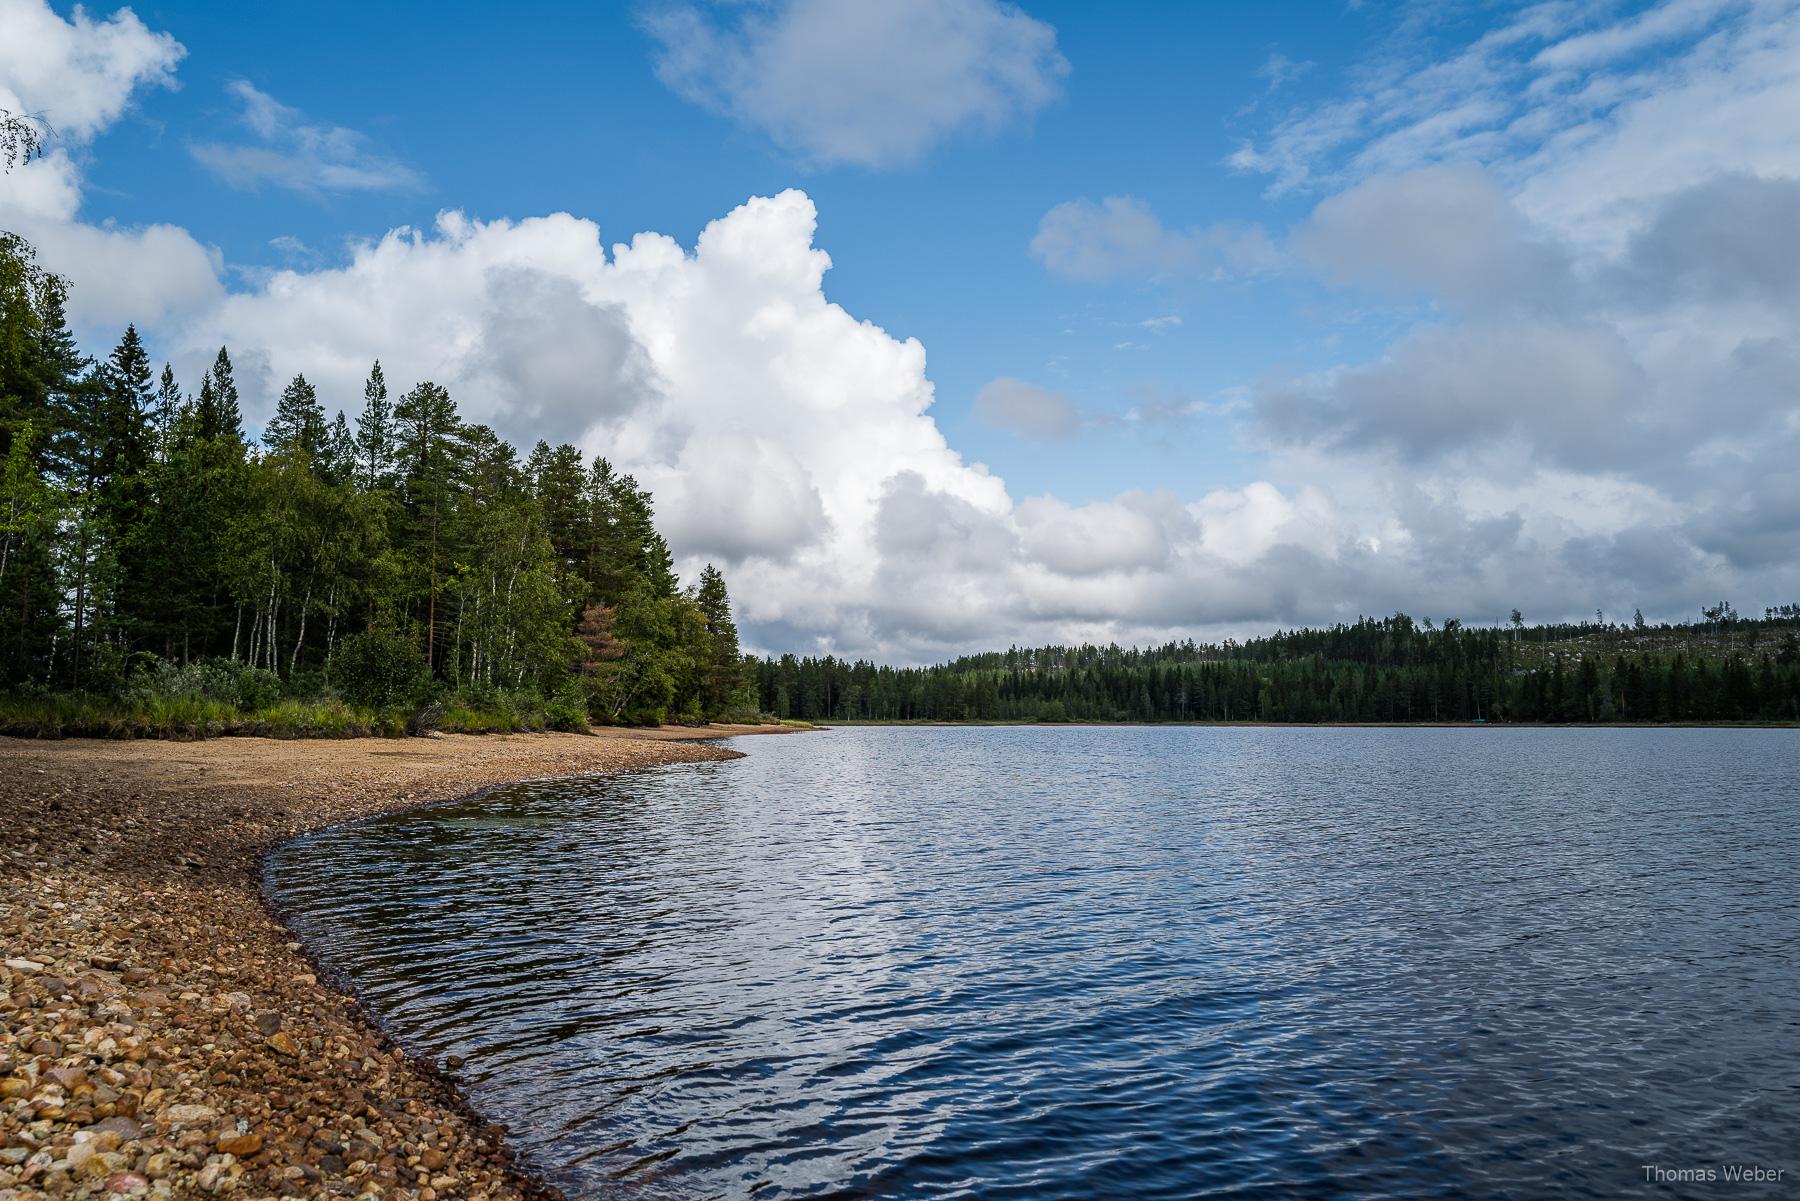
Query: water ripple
[[1154, 962]]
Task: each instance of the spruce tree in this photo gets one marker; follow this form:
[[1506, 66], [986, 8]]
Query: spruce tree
[[169, 409], [217, 414], [298, 426], [339, 460], [724, 682]]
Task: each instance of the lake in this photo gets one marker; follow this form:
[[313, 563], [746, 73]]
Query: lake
[[1085, 962]]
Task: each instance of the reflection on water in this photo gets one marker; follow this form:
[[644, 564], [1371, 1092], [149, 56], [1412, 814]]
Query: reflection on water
[[1077, 963]]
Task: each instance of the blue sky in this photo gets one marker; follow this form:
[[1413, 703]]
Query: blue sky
[[1231, 316], [559, 107]]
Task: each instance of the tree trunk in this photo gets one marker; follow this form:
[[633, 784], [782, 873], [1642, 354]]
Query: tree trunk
[[431, 607], [80, 606], [305, 603], [331, 626]]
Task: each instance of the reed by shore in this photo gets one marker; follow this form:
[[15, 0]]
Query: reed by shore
[[163, 1035]]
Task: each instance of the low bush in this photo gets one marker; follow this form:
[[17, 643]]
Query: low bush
[[568, 712], [221, 681], [379, 668]]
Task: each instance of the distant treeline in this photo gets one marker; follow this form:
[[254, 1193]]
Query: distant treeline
[[156, 559], [1393, 669]]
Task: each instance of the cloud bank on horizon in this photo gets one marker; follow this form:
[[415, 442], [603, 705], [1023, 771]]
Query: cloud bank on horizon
[[1596, 393]]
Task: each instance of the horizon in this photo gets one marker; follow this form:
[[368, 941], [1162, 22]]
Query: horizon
[[1004, 324]]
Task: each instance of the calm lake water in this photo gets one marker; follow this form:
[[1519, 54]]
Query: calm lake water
[[1090, 962]]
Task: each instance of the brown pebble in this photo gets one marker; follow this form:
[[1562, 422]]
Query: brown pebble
[[195, 1055], [241, 1144]]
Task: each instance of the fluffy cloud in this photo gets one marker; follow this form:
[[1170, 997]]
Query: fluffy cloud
[[780, 435], [1132, 533], [146, 274], [79, 74], [1026, 409], [1734, 237], [1122, 236], [1571, 391], [292, 152], [1448, 231], [872, 84], [1605, 382]]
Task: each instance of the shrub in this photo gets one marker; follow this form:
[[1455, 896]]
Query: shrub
[[257, 688], [567, 711], [378, 668], [223, 682]]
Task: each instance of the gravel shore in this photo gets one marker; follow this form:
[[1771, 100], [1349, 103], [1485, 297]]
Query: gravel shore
[[162, 1035]]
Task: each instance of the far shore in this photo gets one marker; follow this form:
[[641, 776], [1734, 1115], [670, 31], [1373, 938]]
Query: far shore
[[163, 1035]]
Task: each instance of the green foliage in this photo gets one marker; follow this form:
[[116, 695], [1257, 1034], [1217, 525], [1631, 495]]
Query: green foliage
[[379, 668], [567, 711], [1392, 669], [410, 559], [236, 685]]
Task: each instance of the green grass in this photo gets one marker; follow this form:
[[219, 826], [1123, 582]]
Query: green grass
[[78, 716], [81, 716]]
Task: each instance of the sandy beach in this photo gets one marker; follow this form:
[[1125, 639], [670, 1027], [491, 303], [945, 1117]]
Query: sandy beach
[[163, 1035]]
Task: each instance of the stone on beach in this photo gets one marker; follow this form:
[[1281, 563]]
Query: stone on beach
[[161, 1035]]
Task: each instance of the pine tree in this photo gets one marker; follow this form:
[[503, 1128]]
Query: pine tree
[[427, 429], [375, 432]]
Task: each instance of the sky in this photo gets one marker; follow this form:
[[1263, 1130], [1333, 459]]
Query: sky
[[943, 325]]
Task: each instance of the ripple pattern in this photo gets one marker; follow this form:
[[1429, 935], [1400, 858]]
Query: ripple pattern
[[1088, 962]]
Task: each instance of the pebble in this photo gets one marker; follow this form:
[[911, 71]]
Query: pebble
[[157, 1025]]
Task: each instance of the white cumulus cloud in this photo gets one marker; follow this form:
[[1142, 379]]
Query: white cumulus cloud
[[78, 74]]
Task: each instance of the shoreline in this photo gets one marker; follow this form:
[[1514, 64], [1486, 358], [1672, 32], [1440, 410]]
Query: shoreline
[[853, 723], [163, 1033]]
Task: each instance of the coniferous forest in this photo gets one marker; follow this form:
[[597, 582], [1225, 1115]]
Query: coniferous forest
[[391, 567], [1724, 668]]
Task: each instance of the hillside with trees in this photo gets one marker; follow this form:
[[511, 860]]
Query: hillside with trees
[[1724, 668], [160, 571]]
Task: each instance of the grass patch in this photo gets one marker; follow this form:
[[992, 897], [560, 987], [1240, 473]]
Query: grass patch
[[81, 716], [209, 701]]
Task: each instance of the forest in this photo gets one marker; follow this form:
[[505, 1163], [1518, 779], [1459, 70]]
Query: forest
[[161, 572], [1722, 668]]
